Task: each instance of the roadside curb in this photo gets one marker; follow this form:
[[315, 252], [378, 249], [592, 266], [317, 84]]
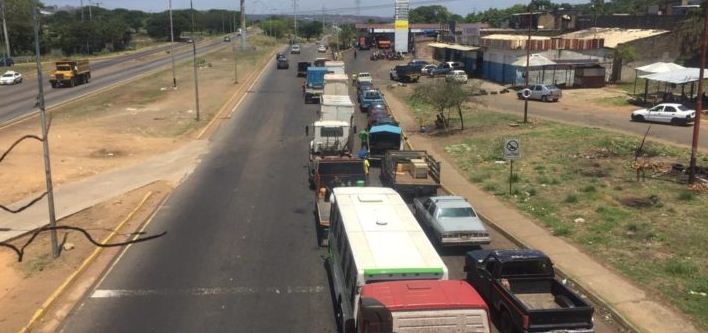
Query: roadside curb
[[39, 314], [616, 315]]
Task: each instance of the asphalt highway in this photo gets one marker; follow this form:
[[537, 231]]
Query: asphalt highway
[[241, 253], [19, 100]]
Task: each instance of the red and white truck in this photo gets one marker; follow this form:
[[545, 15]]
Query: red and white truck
[[422, 306]]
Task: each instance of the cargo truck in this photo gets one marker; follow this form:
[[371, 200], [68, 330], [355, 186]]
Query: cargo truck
[[336, 84], [336, 67], [519, 286], [384, 137], [336, 107], [362, 43], [412, 173], [423, 306], [314, 84], [330, 138], [69, 73], [326, 173]]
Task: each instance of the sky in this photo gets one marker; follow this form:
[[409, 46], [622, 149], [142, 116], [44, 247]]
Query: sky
[[461, 7]]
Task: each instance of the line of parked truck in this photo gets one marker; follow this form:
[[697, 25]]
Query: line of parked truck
[[516, 289]]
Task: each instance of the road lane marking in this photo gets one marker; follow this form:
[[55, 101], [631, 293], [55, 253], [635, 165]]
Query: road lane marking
[[217, 291]]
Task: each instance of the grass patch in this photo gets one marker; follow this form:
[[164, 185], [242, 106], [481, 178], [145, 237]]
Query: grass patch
[[612, 101], [653, 231]]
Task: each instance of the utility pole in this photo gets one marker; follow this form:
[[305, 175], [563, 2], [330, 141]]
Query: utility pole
[[172, 47], [528, 59], [699, 99], [45, 134], [90, 15], [82, 10], [243, 25], [295, 20], [323, 19], [4, 28], [194, 60]]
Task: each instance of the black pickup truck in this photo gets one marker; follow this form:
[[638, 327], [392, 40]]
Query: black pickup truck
[[405, 73], [523, 295], [302, 68]]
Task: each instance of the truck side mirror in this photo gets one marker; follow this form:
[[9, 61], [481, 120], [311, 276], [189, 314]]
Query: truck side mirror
[[307, 130]]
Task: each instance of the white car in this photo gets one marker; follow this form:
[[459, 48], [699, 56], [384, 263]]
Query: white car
[[363, 77], [671, 113], [427, 68], [321, 49], [458, 76], [10, 77], [295, 49]]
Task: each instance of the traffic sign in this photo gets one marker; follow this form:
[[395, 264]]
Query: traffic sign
[[512, 149]]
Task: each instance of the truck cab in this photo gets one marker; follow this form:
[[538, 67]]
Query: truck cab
[[70, 73], [314, 84], [330, 137], [422, 306]]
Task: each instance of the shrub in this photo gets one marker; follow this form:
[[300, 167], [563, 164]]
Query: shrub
[[571, 198]]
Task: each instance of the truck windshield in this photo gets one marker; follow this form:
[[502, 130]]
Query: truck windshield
[[372, 95], [326, 132], [64, 67], [527, 267], [456, 212]]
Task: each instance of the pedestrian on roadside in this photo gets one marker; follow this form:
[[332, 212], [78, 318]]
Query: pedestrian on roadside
[[364, 137], [354, 53], [366, 167]]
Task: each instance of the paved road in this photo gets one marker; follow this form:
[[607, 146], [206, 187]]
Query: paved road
[[19, 100], [241, 253], [584, 115]]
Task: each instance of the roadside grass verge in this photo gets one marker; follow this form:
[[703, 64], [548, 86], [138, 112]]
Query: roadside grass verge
[[612, 101], [580, 184]]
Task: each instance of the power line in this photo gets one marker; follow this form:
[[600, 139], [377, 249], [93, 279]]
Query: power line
[[382, 6]]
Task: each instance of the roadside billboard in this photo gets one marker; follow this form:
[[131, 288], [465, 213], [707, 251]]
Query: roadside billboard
[[400, 25]]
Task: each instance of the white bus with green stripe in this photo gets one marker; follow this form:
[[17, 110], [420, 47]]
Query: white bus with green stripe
[[374, 237]]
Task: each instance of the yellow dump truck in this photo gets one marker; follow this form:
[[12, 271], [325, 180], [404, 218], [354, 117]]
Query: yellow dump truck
[[68, 73]]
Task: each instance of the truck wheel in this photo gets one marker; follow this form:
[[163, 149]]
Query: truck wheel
[[72, 82]]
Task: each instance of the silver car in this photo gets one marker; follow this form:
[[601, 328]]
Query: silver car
[[451, 221], [541, 92]]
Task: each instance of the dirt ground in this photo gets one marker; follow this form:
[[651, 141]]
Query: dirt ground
[[119, 127], [27, 284]]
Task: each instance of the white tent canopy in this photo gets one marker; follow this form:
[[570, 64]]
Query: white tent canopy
[[681, 76], [658, 67]]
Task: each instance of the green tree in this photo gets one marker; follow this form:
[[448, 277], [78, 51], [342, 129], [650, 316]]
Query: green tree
[[309, 29], [158, 25], [430, 14]]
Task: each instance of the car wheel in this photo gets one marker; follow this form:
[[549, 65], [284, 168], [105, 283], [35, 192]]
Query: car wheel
[[544, 98], [637, 118], [676, 121]]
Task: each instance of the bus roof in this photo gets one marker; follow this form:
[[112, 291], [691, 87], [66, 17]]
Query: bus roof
[[424, 295], [383, 234]]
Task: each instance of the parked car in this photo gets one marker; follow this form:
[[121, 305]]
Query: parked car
[[363, 77], [405, 73], [542, 92], [321, 49], [418, 62], [10, 77], [6, 62], [457, 76], [451, 221], [425, 70], [362, 86], [368, 97], [671, 113], [283, 63], [445, 67], [302, 68], [295, 49]]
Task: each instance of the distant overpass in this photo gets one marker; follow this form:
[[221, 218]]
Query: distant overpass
[[421, 27]]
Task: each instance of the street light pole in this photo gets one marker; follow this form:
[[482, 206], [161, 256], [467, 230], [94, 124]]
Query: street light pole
[[194, 61], [528, 59], [4, 29], [243, 25], [699, 101], [172, 48], [295, 20], [45, 134]]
